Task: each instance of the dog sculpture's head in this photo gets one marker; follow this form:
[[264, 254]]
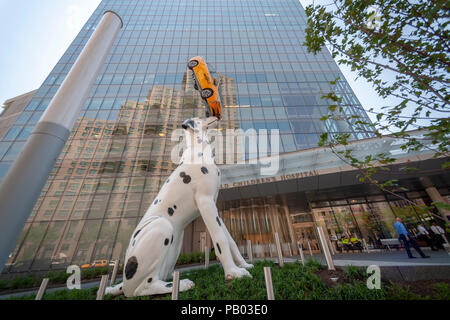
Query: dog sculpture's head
[[200, 125]]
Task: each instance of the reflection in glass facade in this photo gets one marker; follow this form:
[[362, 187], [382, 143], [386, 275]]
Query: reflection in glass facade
[[119, 150]]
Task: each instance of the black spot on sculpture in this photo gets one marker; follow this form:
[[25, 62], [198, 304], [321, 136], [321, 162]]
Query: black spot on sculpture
[[131, 268], [218, 248], [135, 235], [204, 170], [170, 211], [218, 221], [186, 178], [166, 242]]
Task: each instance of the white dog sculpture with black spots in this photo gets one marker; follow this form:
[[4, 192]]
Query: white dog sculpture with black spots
[[190, 191]]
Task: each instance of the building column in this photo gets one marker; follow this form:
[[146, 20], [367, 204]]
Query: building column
[[434, 194]]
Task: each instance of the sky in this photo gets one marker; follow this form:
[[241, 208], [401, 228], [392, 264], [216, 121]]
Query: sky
[[35, 34]]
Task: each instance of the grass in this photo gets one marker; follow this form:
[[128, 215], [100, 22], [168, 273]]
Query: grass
[[292, 282], [33, 281]]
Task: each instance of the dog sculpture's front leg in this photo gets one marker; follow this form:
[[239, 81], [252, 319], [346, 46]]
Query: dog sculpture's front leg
[[237, 257], [208, 211]]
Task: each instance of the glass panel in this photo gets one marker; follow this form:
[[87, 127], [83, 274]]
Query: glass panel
[[30, 247], [105, 242], [87, 242], [46, 257]]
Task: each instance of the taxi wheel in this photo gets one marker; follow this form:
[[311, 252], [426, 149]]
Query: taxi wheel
[[192, 64], [206, 93]]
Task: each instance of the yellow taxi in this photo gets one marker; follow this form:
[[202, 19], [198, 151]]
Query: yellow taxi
[[99, 263], [207, 85]]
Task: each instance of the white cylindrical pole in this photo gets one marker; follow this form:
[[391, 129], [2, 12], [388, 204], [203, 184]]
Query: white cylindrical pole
[[279, 252], [269, 284], [25, 179], [42, 289], [206, 257], [331, 247], [102, 287], [300, 250], [366, 247], [309, 248], [249, 251], [114, 272], [176, 285], [325, 248]]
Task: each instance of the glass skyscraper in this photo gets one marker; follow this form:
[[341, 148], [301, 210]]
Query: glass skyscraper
[[119, 152]]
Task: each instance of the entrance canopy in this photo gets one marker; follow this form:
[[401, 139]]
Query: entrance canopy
[[319, 168]]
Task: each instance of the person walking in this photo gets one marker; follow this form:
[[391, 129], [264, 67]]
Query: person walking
[[407, 240], [424, 235], [438, 235]]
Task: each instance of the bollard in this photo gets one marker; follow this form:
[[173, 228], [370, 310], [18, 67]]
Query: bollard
[[279, 252], [249, 251], [176, 285], [114, 273], [206, 257], [269, 284], [102, 287], [325, 248], [300, 249], [42, 289], [309, 247]]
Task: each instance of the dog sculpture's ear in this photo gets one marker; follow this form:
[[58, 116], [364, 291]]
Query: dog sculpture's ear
[[188, 124]]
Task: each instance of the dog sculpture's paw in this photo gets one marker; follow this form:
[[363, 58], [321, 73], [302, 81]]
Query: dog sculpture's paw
[[246, 265], [186, 284], [237, 273]]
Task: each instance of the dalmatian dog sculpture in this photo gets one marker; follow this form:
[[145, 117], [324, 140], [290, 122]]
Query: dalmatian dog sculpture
[[191, 191]]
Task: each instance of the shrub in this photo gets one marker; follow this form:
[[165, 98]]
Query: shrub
[[354, 273], [3, 285], [442, 291], [398, 292], [313, 265], [355, 291]]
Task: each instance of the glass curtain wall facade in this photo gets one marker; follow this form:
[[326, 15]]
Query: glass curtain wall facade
[[369, 217], [119, 151]]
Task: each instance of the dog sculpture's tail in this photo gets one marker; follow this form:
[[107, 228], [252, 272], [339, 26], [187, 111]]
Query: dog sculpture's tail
[[116, 290]]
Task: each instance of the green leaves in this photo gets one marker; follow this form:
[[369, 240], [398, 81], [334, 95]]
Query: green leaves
[[406, 59]]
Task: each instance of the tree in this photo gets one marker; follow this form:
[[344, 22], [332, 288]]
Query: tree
[[404, 55]]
